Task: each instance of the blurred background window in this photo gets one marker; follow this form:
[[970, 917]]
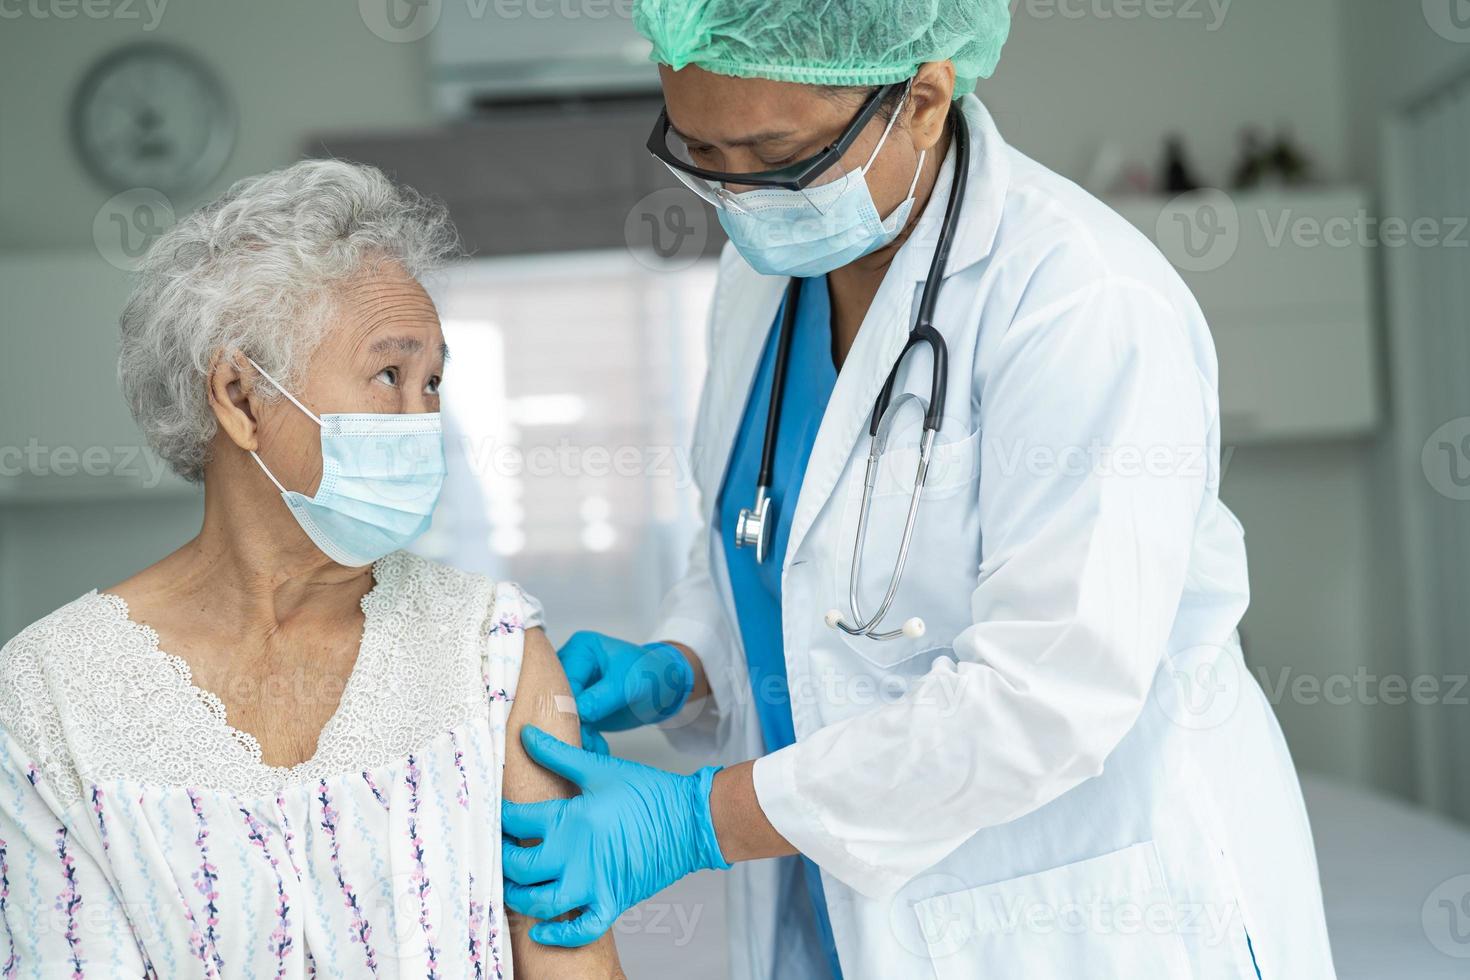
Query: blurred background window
[[569, 408]]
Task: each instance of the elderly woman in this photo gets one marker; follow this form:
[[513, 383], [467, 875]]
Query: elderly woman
[[281, 750]]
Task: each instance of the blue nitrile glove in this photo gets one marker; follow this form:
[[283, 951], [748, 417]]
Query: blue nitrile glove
[[620, 685], [634, 831]]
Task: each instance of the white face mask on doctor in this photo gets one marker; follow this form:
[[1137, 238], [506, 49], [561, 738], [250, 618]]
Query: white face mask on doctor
[[381, 478], [812, 232]]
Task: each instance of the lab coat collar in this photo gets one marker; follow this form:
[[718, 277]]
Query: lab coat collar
[[989, 179], [885, 329]]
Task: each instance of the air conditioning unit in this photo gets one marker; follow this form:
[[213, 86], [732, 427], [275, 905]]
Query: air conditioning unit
[[485, 53]]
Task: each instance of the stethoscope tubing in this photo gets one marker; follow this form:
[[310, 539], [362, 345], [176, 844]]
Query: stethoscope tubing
[[757, 529]]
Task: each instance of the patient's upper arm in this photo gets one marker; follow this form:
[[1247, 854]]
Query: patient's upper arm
[[544, 699]]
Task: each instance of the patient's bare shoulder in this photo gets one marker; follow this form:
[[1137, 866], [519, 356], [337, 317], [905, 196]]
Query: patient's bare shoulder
[[543, 699]]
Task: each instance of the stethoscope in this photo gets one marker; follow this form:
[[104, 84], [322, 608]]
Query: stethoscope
[[753, 528]]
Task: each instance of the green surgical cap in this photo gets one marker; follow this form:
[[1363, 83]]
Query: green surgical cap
[[827, 42]]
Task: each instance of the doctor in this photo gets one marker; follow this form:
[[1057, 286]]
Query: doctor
[[1046, 757]]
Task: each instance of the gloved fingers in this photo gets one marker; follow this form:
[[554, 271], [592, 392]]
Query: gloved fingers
[[646, 688], [593, 741], [551, 753], [581, 659], [585, 928], [546, 901], [528, 865], [530, 821], [606, 696]]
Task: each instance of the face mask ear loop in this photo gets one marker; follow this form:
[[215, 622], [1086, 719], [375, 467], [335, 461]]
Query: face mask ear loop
[[886, 130], [917, 170], [283, 391], [268, 472]]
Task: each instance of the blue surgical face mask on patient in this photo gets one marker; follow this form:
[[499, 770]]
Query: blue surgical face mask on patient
[[811, 232], [381, 477]]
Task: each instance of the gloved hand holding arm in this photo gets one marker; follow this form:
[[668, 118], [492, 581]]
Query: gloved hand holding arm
[[620, 685], [633, 831]]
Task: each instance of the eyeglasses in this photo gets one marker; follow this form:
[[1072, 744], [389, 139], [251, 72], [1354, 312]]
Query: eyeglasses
[[669, 147]]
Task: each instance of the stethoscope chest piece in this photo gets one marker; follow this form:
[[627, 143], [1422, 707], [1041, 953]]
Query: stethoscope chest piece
[[753, 526]]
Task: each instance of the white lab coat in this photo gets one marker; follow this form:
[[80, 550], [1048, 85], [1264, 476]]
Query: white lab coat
[[1071, 774]]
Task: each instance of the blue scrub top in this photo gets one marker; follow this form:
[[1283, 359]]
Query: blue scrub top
[[810, 377]]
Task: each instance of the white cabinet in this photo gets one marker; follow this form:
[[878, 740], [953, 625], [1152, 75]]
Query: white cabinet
[[1285, 279]]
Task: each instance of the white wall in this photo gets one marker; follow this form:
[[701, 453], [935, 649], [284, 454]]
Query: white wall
[[1396, 54], [1066, 84], [1078, 72], [51, 553], [292, 67]]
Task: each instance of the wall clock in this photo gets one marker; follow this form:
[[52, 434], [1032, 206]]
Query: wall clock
[[152, 115]]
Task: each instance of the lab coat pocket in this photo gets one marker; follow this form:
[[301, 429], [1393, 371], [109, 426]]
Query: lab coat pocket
[[1105, 918], [953, 465], [944, 555]]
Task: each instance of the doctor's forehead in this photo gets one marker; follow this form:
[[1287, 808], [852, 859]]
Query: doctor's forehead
[[729, 111]]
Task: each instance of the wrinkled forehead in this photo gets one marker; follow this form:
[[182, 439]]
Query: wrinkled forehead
[[384, 312]]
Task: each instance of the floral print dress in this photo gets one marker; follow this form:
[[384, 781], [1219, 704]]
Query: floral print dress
[[141, 836]]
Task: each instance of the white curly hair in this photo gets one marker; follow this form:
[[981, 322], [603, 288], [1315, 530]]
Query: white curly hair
[[256, 271]]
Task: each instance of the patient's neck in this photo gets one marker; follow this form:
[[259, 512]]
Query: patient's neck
[[251, 571]]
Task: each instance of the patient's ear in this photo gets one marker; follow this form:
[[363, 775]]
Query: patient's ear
[[231, 383]]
